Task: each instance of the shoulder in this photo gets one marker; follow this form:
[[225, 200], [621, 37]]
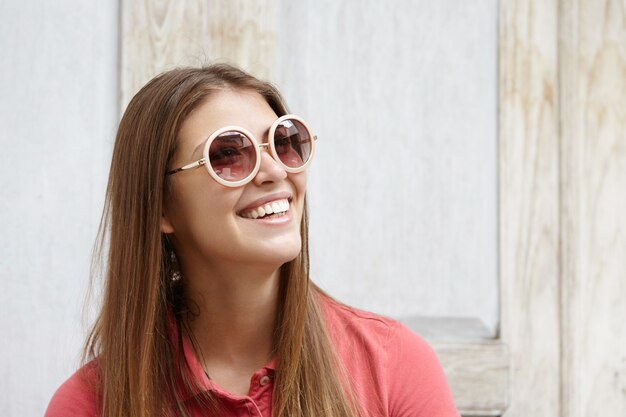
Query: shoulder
[[389, 338], [418, 383], [350, 321], [77, 396], [389, 362]]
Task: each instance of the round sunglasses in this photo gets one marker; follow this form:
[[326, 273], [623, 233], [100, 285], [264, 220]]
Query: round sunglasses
[[232, 155]]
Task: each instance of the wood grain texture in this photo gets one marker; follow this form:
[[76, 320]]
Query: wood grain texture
[[529, 219], [478, 374], [593, 175], [244, 32], [160, 35]]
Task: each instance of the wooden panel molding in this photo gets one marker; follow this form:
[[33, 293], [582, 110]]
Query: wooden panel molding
[[593, 183], [478, 374], [529, 202]]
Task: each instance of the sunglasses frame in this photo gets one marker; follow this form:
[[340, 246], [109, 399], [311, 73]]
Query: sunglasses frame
[[257, 146]]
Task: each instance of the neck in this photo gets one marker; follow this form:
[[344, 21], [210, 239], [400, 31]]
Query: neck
[[233, 314]]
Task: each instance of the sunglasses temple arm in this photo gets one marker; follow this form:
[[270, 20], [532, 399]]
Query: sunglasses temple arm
[[193, 165]]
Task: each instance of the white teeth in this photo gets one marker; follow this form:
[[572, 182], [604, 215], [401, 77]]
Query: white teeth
[[275, 207]]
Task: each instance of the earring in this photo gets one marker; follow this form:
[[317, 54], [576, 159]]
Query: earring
[[175, 274], [174, 267]]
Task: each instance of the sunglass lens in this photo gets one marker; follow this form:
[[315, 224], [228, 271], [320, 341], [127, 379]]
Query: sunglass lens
[[292, 141], [232, 156]]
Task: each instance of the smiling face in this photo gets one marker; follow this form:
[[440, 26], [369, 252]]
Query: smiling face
[[211, 224]]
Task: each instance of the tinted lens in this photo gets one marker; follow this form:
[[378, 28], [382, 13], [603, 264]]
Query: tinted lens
[[293, 143], [232, 156]]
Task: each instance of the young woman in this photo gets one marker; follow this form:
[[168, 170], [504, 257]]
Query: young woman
[[208, 308]]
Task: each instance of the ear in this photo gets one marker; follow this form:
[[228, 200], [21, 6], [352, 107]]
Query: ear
[[166, 225]]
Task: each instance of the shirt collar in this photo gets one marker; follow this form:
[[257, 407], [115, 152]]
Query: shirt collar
[[197, 372]]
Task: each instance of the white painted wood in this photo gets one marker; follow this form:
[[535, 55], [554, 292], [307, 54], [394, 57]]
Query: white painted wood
[[157, 36], [58, 110], [593, 172], [529, 203], [478, 374], [450, 329], [421, 209], [403, 191], [244, 32]]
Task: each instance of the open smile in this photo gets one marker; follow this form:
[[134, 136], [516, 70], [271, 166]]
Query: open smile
[[272, 209]]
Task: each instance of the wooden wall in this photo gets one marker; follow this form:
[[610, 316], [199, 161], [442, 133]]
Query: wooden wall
[[537, 86]]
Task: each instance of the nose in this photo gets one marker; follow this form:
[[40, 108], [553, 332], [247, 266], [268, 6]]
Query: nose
[[269, 170]]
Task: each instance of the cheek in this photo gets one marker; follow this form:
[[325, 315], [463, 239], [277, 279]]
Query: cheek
[[299, 181], [199, 205]]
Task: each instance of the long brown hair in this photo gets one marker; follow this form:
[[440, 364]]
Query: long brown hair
[[134, 355]]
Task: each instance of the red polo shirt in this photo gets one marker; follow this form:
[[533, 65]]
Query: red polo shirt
[[394, 373]]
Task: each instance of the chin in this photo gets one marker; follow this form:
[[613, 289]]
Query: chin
[[287, 257], [279, 257]]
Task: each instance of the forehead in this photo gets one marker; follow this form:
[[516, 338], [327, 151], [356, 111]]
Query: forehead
[[243, 108]]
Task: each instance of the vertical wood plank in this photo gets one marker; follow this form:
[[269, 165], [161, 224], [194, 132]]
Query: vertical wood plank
[[160, 35], [244, 32], [593, 148], [529, 190]]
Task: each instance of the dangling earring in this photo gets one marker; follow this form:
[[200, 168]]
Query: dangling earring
[[175, 274], [174, 266]]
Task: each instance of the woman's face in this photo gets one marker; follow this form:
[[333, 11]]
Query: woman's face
[[206, 220]]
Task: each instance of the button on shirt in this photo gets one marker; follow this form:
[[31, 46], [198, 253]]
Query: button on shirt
[[394, 373], [258, 402]]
